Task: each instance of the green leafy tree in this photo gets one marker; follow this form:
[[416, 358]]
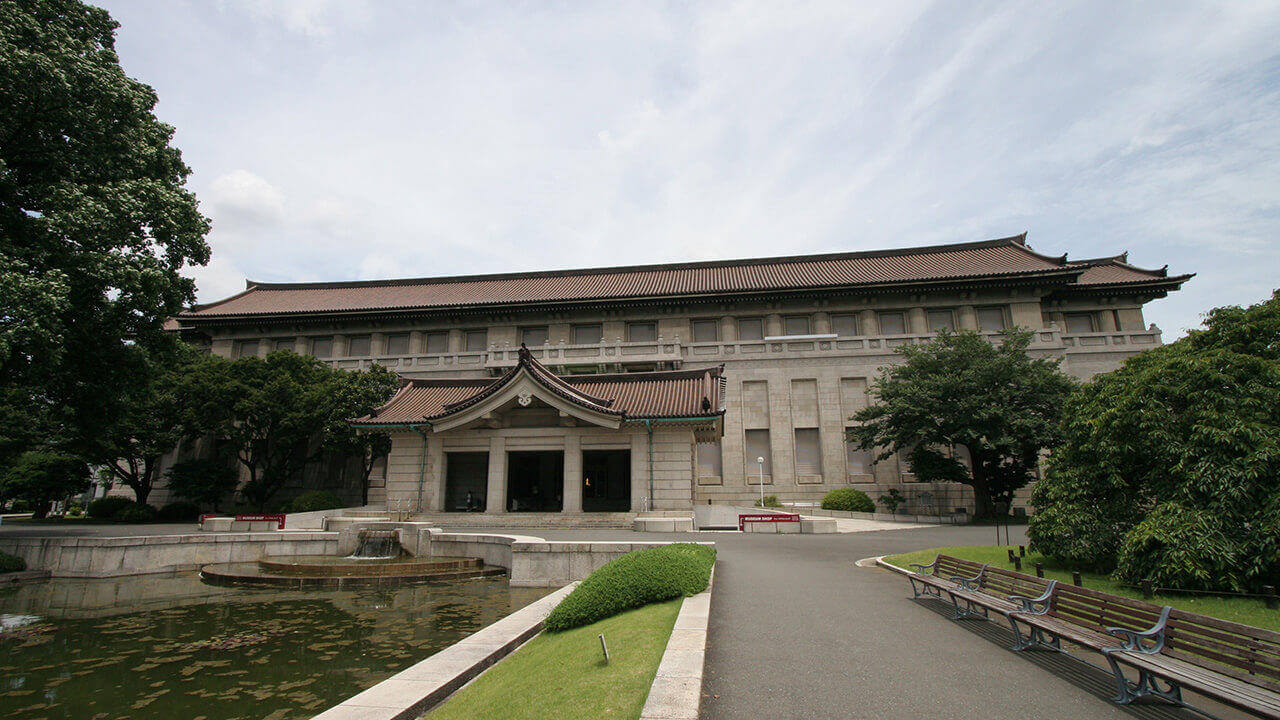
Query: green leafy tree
[[95, 220], [959, 390], [204, 481], [281, 412], [41, 478], [1168, 467]]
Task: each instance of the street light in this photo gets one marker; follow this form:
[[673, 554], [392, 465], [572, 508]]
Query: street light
[[760, 463]]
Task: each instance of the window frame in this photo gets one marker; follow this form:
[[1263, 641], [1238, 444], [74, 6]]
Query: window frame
[[389, 337], [880, 316], [290, 344], [426, 342], [1004, 317], [749, 459], [525, 330], [632, 325], [1066, 323], [598, 327], [469, 335], [311, 346], [237, 348], [853, 317], [929, 314], [364, 338], [788, 319], [704, 322], [817, 448], [742, 320]]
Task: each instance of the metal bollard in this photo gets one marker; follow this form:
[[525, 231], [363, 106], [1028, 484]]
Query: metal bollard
[[1270, 597], [1039, 570], [1147, 592], [1076, 580]]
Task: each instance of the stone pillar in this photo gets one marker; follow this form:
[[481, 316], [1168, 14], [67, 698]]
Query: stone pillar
[[968, 318], [572, 474], [821, 323], [868, 323], [916, 324], [417, 342], [772, 324], [1106, 321], [496, 502], [339, 346], [1029, 316], [728, 329], [455, 346], [377, 344], [1131, 319], [435, 461]]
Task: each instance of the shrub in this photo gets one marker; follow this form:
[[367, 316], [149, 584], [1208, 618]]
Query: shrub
[[108, 508], [11, 563], [892, 500], [20, 506], [770, 501], [634, 580], [180, 511], [848, 499], [205, 481], [1180, 547], [136, 513], [315, 500]]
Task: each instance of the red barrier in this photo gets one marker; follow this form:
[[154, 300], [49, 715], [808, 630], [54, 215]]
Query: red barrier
[[278, 519], [770, 517]]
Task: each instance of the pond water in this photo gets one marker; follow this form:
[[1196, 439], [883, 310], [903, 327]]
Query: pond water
[[173, 647]]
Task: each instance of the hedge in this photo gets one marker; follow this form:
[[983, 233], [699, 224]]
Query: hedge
[[108, 508], [636, 579], [315, 500], [136, 513], [11, 563], [848, 499], [179, 511]]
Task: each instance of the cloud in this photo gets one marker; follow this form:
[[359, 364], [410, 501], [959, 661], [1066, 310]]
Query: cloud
[[310, 18], [243, 200]]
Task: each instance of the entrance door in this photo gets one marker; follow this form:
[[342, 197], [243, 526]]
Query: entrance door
[[466, 481], [606, 480], [535, 481]]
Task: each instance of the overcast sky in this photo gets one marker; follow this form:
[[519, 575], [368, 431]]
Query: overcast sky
[[338, 139]]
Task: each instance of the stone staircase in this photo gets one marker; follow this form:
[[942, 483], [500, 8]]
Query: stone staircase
[[479, 521]]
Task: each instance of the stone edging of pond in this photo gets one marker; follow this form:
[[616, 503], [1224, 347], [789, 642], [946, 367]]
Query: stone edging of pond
[[676, 693], [413, 691]]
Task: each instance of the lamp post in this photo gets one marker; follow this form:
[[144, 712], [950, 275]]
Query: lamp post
[[760, 464]]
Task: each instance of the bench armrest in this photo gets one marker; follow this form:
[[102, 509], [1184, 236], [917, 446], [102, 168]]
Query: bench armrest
[[1148, 641], [921, 568], [969, 583], [1035, 605]]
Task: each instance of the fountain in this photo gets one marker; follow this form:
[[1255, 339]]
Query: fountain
[[378, 560]]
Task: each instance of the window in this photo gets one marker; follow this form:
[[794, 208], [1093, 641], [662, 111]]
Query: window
[[844, 325], [322, 347], [991, 319], [1079, 323], [795, 325], [857, 462], [289, 344], [588, 334], [706, 330], [750, 328], [709, 460], [359, 346], [757, 446], [437, 342], [642, 332], [892, 323], [476, 340], [533, 336], [245, 348], [398, 344], [808, 452], [941, 320]]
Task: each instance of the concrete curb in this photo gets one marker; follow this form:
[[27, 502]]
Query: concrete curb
[[676, 693], [20, 576], [879, 562], [411, 692]]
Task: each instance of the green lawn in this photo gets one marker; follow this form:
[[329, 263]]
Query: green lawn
[[1250, 611], [563, 675]]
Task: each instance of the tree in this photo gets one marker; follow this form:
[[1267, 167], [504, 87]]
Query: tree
[[1167, 470], [281, 412], [204, 481], [42, 477], [95, 220], [959, 390]]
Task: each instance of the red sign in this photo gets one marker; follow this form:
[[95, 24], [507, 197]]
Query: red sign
[[770, 517], [206, 516], [278, 519]]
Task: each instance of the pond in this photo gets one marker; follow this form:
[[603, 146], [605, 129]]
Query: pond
[[173, 647]]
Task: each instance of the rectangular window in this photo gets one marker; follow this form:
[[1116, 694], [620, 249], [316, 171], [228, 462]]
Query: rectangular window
[[245, 348], [477, 340], [706, 330], [322, 347], [642, 332], [757, 446], [808, 452], [795, 325], [398, 344], [844, 325], [991, 319], [857, 462], [534, 335], [709, 460], [289, 344], [437, 342], [359, 346], [892, 323], [941, 320], [750, 328], [588, 334], [1079, 323]]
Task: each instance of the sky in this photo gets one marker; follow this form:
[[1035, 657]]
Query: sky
[[342, 139]]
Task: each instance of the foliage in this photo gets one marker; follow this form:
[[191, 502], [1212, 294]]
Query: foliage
[[136, 513], [1194, 425], [892, 500], [280, 412], [848, 499], [179, 511], [769, 501], [204, 481], [635, 579], [11, 563], [315, 500], [107, 508], [959, 390], [96, 221], [42, 477]]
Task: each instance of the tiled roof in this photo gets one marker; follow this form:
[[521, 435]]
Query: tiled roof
[[631, 396], [991, 259]]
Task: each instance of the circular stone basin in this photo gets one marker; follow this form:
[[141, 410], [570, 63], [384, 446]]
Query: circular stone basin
[[321, 571]]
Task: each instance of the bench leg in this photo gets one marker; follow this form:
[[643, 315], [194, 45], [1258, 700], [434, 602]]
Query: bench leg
[[1147, 684], [1035, 638], [967, 610], [923, 589]]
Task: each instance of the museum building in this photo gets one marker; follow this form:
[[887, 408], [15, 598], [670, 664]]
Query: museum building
[[627, 389]]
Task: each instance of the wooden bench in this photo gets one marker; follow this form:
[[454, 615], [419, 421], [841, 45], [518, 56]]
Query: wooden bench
[[1236, 664], [1089, 618], [1002, 591], [945, 573]]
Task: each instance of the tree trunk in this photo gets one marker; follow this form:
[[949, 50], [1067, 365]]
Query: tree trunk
[[982, 506]]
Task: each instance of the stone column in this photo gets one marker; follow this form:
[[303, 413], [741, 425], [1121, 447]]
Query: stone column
[[572, 474], [496, 501], [377, 344], [728, 329], [868, 323], [968, 318], [916, 324], [416, 342], [339, 346], [821, 323], [773, 324], [435, 461], [455, 346], [1106, 321]]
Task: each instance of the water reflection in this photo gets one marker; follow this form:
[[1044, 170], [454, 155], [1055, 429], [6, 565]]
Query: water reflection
[[173, 647]]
